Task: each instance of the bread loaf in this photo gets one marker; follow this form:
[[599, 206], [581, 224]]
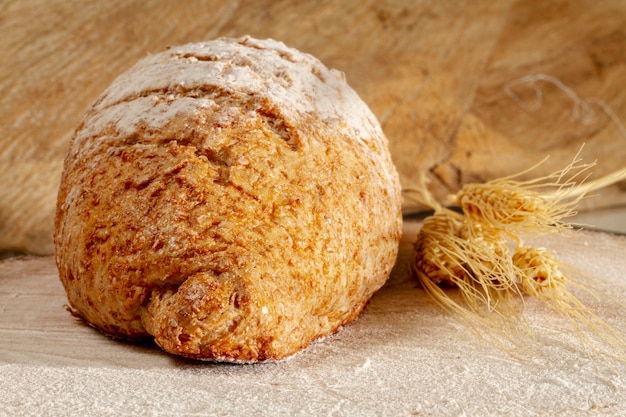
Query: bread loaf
[[233, 199]]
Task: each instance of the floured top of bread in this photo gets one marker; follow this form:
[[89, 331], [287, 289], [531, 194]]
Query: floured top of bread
[[200, 76]]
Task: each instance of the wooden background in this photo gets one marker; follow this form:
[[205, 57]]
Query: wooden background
[[433, 71]]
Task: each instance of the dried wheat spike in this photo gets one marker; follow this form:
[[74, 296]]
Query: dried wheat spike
[[465, 255], [435, 252], [487, 257], [500, 204], [538, 272], [476, 264], [531, 207], [510, 206]]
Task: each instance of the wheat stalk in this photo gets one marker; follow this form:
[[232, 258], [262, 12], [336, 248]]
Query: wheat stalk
[[469, 251]]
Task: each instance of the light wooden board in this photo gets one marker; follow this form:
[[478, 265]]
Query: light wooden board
[[402, 357], [434, 72]]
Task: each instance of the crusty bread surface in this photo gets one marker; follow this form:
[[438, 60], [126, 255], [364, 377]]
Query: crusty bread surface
[[234, 199]]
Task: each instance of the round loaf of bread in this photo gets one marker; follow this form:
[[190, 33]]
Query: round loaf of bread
[[234, 199]]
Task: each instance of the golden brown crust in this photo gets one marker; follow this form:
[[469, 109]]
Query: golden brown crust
[[228, 218]]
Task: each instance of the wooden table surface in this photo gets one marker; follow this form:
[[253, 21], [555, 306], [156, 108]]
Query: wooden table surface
[[402, 357]]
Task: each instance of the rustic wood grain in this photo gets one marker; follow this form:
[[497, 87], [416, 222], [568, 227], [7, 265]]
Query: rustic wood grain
[[433, 72], [583, 45]]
